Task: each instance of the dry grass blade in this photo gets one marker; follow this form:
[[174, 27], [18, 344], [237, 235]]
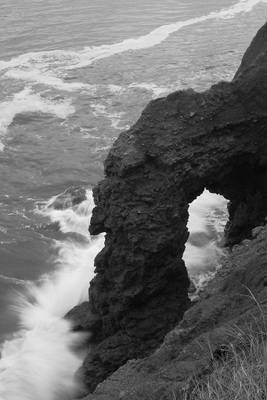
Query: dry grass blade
[[242, 375]]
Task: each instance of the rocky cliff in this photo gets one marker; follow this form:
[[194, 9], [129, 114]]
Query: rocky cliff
[[181, 144], [232, 306]]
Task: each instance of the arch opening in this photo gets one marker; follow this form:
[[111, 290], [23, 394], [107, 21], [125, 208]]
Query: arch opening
[[204, 249]]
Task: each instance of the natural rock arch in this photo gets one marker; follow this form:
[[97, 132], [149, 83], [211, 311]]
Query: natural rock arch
[[181, 144]]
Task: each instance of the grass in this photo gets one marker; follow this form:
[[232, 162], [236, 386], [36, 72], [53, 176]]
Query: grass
[[241, 371], [242, 375]]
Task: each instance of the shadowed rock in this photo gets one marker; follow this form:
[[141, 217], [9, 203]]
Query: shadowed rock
[[181, 144], [231, 309]]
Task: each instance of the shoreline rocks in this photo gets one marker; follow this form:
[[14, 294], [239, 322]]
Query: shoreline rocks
[[181, 144], [231, 306]]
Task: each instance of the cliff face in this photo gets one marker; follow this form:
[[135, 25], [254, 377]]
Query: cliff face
[[181, 144], [230, 309]]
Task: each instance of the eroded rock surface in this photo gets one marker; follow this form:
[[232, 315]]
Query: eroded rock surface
[[181, 144], [232, 306]]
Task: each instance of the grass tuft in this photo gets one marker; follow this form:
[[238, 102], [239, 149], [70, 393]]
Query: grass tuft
[[241, 374]]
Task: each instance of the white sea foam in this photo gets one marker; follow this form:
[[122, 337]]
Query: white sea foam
[[100, 110], [152, 87], [43, 60], [3, 229], [9, 279], [91, 54], [48, 79], [60, 60], [28, 101], [39, 363], [207, 218], [116, 89]]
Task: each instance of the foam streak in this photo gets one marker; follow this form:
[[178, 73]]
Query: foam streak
[[28, 101], [39, 363], [70, 59]]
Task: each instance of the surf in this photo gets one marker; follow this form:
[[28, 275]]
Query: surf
[[47, 67], [28, 101], [204, 252], [39, 362]]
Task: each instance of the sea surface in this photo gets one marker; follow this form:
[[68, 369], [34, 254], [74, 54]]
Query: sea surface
[[73, 75]]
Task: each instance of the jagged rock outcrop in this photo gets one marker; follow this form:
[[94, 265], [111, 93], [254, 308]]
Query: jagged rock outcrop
[[181, 144], [232, 308]]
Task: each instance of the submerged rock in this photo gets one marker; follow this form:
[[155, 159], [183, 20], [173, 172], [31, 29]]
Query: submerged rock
[[71, 197], [181, 144]]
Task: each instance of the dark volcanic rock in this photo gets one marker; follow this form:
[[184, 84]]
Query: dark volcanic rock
[[231, 308], [181, 144]]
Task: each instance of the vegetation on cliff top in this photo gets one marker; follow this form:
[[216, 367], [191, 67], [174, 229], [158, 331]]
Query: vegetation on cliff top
[[238, 372]]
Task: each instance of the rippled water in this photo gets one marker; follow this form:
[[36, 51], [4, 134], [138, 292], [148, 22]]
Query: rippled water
[[75, 74]]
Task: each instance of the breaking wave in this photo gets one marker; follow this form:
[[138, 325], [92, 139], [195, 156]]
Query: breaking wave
[[208, 215], [39, 361]]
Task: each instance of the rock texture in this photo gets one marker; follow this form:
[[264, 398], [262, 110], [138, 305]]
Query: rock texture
[[181, 144], [233, 305]]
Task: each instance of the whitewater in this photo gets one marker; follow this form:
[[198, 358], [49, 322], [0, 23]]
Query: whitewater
[[40, 360], [49, 68], [68, 59]]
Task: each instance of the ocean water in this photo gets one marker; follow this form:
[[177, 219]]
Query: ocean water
[[73, 75]]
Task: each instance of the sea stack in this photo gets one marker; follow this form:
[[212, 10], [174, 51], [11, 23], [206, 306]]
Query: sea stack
[[181, 144]]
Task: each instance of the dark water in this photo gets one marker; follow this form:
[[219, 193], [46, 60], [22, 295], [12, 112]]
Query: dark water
[[73, 75], [64, 97]]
